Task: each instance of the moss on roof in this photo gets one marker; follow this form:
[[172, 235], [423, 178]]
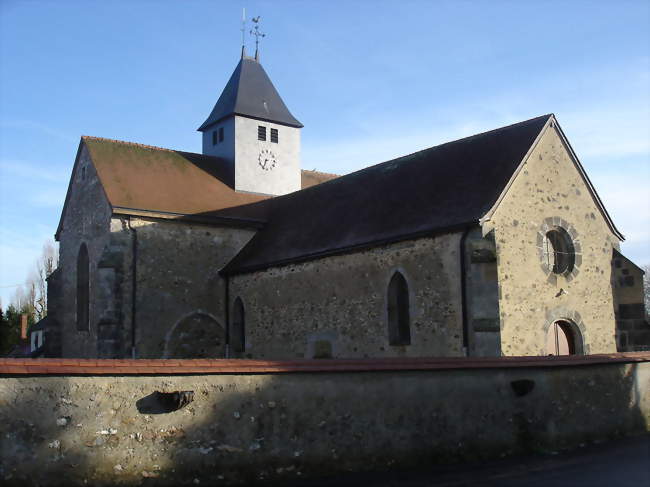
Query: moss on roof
[[155, 179]]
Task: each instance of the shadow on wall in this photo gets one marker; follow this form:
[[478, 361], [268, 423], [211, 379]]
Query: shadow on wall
[[108, 430], [197, 335], [181, 301], [273, 428]]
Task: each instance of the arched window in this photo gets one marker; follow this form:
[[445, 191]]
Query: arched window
[[238, 329], [399, 323], [83, 289], [559, 251]]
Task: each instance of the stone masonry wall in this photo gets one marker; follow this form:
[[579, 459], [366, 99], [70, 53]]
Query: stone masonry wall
[[339, 303], [632, 327], [86, 220], [273, 427], [482, 295], [180, 295], [547, 192]]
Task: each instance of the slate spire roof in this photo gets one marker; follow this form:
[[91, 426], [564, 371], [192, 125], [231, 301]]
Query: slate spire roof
[[250, 93]]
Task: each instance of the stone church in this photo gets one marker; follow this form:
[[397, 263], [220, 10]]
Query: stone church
[[495, 244]]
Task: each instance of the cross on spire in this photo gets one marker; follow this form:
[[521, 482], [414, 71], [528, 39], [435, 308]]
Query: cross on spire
[[257, 33]]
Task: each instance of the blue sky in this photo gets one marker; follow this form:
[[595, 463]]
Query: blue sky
[[370, 80]]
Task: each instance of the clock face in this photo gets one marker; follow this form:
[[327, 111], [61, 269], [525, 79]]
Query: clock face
[[267, 159]]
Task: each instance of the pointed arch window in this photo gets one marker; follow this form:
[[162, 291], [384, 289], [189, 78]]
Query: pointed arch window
[[238, 329], [399, 320], [83, 289]]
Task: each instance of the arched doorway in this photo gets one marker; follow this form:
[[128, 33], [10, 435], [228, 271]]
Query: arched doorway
[[196, 336], [561, 339]]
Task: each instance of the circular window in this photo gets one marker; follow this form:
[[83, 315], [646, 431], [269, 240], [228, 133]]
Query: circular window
[[559, 251]]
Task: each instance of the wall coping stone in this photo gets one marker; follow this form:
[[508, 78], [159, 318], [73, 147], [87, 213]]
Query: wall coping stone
[[120, 367]]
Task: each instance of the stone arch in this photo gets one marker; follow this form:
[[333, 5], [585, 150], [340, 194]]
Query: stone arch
[[565, 229], [196, 335], [574, 321], [398, 310]]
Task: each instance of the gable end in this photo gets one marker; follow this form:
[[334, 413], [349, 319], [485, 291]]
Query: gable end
[[552, 123], [73, 175]]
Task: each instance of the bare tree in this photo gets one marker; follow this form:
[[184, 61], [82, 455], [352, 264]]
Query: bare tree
[[18, 300], [646, 290], [31, 298], [45, 265]]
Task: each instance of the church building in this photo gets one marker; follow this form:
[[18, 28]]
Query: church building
[[494, 244]]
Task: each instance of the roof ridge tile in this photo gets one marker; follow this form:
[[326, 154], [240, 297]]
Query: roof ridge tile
[[136, 144], [314, 171]]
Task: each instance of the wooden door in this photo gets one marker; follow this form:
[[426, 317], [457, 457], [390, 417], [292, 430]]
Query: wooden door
[[559, 339]]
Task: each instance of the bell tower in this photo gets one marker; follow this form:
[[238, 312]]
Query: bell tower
[[252, 130]]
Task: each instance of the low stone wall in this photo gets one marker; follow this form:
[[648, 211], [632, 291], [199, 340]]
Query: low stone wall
[[102, 422]]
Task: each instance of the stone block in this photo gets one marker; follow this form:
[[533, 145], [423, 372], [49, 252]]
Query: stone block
[[483, 256], [641, 325], [639, 338], [631, 311], [109, 348], [486, 324], [626, 325], [108, 331], [111, 257]]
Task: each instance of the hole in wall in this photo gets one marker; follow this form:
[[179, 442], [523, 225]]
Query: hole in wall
[[164, 402], [522, 387]]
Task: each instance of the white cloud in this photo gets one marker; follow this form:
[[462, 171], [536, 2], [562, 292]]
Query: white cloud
[[609, 132], [28, 125], [49, 198], [25, 170]]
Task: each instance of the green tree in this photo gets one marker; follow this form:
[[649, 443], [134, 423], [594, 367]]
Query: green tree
[[9, 330]]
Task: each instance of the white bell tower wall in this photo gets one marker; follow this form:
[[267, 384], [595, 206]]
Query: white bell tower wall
[[225, 147], [265, 166]]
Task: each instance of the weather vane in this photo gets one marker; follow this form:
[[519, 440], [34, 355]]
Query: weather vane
[[257, 33], [243, 31]]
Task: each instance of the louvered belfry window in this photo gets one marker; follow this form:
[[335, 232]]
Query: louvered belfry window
[[261, 132], [274, 136]]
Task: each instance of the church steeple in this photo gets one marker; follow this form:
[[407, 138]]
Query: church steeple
[[250, 93], [252, 129]]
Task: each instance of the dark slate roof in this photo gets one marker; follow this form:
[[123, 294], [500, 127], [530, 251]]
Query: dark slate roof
[[446, 187], [41, 324], [250, 93]]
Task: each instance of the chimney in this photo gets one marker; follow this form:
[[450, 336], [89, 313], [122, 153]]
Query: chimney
[[23, 327]]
